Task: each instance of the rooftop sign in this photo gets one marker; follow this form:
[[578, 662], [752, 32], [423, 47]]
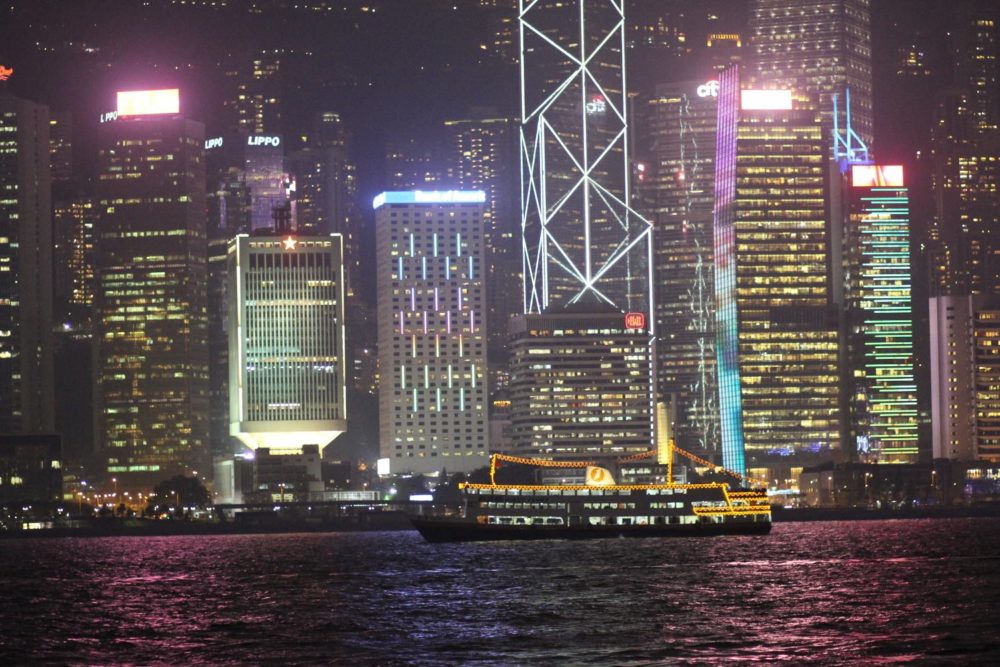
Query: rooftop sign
[[766, 100], [430, 197], [635, 320], [148, 102], [261, 140], [877, 176], [709, 89]]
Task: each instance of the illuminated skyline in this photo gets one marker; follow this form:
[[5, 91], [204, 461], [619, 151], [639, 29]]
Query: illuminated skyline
[[327, 122]]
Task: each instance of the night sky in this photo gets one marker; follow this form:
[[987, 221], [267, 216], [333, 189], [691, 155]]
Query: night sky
[[398, 71]]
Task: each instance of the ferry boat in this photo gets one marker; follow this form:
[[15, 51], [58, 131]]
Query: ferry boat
[[598, 508]]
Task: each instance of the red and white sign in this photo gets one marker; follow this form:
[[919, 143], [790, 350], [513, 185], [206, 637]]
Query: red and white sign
[[148, 102], [635, 320]]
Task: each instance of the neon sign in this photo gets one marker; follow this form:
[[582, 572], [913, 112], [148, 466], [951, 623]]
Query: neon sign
[[289, 243], [148, 102], [635, 320], [430, 197], [108, 116], [260, 140], [596, 105], [214, 142], [766, 100], [877, 176], [709, 89], [5, 72]]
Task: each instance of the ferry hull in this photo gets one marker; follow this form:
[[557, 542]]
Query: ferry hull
[[461, 530]]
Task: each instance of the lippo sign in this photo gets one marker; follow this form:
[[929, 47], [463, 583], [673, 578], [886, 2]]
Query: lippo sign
[[635, 320]]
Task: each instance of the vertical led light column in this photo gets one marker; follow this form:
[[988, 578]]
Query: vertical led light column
[[726, 322]]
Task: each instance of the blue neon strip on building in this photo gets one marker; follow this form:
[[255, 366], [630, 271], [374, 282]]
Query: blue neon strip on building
[[429, 197], [726, 316]]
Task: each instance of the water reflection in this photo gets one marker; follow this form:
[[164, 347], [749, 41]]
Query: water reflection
[[833, 592]]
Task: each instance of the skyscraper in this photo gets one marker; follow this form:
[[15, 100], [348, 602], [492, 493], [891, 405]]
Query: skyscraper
[[61, 146], [816, 48], [256, 102], [229, 206], [266, 179], [287, 372], [677, 188], [879, 310], [952, 137], [326, 188], [965, 177], [151, 398], [432, 325], [585, 251], [81, 216], [777, 330], [977, 69], [579, 384], [965, 377], [26, 345], [582, 243], [412, 165], [484, 157]]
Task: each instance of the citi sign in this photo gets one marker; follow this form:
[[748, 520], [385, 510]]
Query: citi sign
[[260, 140], [708, 89]]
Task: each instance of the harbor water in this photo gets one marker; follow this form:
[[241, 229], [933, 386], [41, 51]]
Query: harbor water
[[825, 592]]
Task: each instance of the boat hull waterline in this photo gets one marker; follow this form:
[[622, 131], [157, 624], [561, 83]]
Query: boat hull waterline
[[462, 530]]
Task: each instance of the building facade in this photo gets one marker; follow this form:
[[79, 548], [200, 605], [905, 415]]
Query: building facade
[[228, 215], [287, 372], [27, 387], [484, 157], [266, 179], [976, 36], [777, 329], [582, 243], [879, 317], [580, 385], [150, 320], [432, 323], [677, 190], [965, 377], [30, 468], [326, 188], [818, 49]]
